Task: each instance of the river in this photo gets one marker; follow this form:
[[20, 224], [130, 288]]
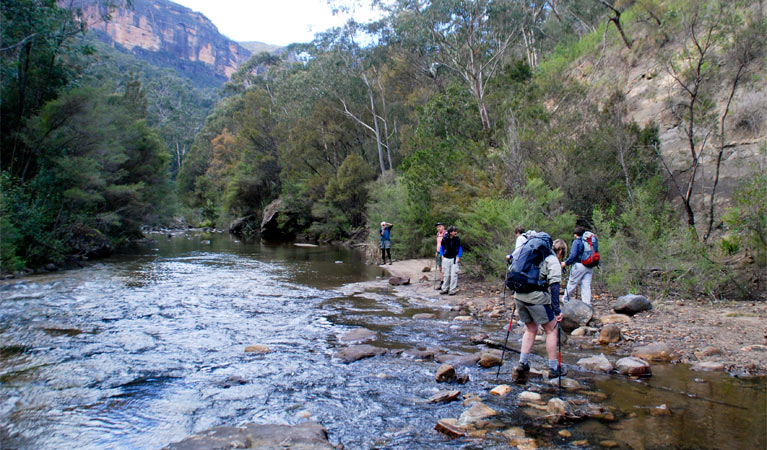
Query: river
[[143, 349]]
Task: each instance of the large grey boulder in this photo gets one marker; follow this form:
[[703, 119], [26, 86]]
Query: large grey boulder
[[575, 314], [596, 363], [633, 366], [305, 436], [632, 304]]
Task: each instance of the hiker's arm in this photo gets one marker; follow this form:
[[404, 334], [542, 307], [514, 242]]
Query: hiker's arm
[[554, 288], [575, 253], [460, 252]]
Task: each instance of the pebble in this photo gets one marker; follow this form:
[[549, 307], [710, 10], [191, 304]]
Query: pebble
[[501, 390], [565, 433]]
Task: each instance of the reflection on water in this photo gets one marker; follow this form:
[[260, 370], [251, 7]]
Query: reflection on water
[[144, 349]]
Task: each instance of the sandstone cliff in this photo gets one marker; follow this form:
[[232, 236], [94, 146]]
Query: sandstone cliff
[[166, 33]]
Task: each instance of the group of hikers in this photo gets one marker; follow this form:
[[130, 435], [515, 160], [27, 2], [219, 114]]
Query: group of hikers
[[534, 275]]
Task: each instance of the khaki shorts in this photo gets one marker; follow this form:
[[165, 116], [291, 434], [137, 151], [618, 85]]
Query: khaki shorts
[[540, 314]]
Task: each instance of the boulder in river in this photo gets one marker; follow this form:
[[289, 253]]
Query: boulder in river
[[359, 335], [632, 304], [424, 316], [478, 411], [444, 396], [398, 281], [658, 351], [596, 363], [614, 318], [257, 349], [633, 366], [575, 314], [490, 358], [610, 334], [449, 428], [709, 366], [457, 360], [357, 352], [446, 372], [305, 436], [245, 226]]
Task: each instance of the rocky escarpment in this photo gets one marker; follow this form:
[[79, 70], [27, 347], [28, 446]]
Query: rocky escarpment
[[165, 33]]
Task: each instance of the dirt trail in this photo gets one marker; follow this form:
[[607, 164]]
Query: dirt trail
[[731, 333]]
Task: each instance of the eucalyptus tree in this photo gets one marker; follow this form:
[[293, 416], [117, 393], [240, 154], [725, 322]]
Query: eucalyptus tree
[[468, 37]]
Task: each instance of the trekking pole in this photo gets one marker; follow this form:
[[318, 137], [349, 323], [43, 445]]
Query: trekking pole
[[511, 321], [559, 355]]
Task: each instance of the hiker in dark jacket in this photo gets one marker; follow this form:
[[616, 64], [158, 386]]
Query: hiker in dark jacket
[[385, 232], [451, 251], [580, 275]]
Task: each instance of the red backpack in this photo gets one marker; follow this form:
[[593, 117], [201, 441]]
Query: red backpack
[[590, 257]]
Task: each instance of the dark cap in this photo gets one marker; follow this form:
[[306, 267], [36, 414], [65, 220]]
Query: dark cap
[[452, 228], [439, 223]]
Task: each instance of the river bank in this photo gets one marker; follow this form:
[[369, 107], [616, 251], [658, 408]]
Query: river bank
[[726, 336]]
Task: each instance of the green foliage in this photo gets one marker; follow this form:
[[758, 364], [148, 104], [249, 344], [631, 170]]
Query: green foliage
[[348, 191], [488, 225], [747, 217]]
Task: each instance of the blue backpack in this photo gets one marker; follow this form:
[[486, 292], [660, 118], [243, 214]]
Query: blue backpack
[[525, 271]]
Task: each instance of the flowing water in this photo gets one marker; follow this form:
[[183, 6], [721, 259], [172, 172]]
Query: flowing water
[[141, 350]]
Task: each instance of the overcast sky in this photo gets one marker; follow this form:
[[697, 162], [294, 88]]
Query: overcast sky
[[278, 22]]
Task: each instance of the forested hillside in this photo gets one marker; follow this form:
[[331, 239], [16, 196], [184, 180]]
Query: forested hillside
[[91, 138], [643, 120]]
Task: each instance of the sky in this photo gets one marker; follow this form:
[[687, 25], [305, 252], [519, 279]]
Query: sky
[[277, 22]]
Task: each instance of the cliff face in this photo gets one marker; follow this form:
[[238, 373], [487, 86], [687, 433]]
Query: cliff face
[[166, 33]]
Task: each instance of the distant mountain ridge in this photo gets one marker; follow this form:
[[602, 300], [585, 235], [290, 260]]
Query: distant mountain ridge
[[166, 33], [256, 47]]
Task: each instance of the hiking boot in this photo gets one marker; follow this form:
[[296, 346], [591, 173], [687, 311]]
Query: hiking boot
[[523, 368], [442, 292], [519, 373], [556, 373], [452, 293]]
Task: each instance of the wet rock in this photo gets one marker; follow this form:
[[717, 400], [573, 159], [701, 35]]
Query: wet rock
[[444, 396], [580, 443], [608, 444], [305, 436], [633, 366], [609, 334], [304, 415], [398, 281], [230, 381], [445, 373], [50, 267], [709, 366], [708, 351], [529, 397], [429, 353], [557, 406], [426, 269], [524, 443], [514, 433], [359, 335], [662, 410], [595, 396], [478, 338], [596, 363], [478, 411], [462, 379], [357, 352], [457, 360], [490, 358], [575, 314], [567, 383], [463, 318], [658, 351], [564, 433], [449, 428], [501, 390], [470, 399], [580, 331], [424, 316], [257, 349], [632, 304], [614, 318]]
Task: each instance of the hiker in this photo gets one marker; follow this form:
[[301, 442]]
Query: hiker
[[440, 234], [385, 232], [521, 239], [580, 275], [538, 303], [451, 251]]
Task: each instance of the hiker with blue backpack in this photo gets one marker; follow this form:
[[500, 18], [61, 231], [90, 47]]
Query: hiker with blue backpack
[[584, 256], [534, 277]]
